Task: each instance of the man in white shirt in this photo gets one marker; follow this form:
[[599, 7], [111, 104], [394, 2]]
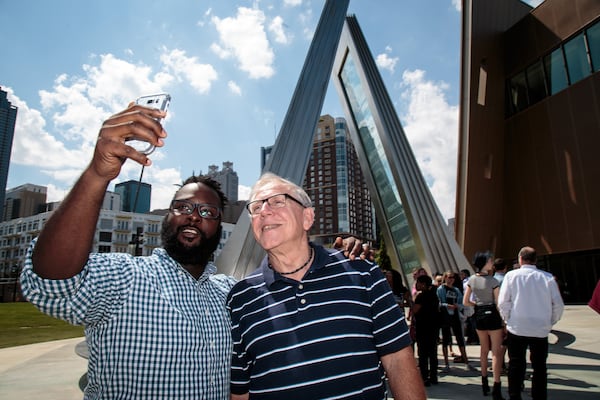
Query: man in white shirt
[[530, 304]]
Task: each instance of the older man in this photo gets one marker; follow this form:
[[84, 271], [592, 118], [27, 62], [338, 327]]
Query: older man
[[530, 303], [308, 323]]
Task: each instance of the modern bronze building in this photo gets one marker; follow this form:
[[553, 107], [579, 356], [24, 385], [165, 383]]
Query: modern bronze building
[[528, 166]]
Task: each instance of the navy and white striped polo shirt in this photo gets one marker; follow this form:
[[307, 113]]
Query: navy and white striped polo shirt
[[320, 338]]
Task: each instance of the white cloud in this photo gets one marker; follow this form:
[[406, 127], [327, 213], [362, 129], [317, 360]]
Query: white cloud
[[199, 76], [243, 192], [163, 184], [276, 27], [34, 146], [431, 126], [457, 4], [292, 3], [245, 38], [54, 193], [234, 88], [76, 107], [386, 62]]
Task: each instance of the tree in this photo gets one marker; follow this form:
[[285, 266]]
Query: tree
[[382, 258]]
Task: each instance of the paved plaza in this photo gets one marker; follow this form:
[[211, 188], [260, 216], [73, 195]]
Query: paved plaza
[[53, 370]]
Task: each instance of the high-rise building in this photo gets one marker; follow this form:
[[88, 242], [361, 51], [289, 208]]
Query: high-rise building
[[8, 118], [24, 201], [529, 136], [228, 179], [335, 183], [135, 196]]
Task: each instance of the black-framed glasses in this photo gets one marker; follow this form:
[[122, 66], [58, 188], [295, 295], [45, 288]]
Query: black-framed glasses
[[275, 201], [184, 207]]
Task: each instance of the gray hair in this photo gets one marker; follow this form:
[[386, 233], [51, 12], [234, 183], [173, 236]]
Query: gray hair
[[271, 179]]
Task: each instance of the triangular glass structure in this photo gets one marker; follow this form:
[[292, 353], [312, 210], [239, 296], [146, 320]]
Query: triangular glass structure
[[411, 222]]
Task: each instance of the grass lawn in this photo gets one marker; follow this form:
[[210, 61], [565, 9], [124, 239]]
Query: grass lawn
[[22, 323]]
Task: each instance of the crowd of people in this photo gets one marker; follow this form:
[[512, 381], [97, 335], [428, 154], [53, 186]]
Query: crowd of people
[[496, 309], [309, 323]]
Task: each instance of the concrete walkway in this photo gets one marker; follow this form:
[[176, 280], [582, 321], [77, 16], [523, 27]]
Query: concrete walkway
[[52, 370]]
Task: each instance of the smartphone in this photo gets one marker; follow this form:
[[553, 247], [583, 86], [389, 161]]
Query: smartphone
[[160, 101]]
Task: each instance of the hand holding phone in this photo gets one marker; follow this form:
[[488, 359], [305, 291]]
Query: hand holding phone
[[159, 101]]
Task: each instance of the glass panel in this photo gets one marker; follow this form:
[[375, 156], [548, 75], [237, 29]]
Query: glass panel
[[380, 168], [555, 71], [577, 59], [518, 92], [593, 36], [535, 83]]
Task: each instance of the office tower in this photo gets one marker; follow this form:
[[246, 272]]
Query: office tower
[[24, 201], [134, 194], [228, 179], [8, 118], [529, 136], [335, 183]]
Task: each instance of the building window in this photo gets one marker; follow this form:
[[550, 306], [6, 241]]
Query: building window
[[577, 59], [103, 249], [106, 237], [518, 92], [593, 37], [482, 86], [535, 83], [556, 72]]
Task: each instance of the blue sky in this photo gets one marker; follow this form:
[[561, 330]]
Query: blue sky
[[230, 67]]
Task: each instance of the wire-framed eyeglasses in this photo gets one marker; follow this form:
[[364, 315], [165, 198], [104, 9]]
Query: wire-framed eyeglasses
[[275, 201], [184, 207]]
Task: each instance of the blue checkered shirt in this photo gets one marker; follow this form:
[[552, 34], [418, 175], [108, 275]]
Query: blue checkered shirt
[[153, 331]]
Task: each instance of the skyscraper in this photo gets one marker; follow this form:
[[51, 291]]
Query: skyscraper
[[336, 185], [135, 196], [228, 179], [24, 201], [8, 118]]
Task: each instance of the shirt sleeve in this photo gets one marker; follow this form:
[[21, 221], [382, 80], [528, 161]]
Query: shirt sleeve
[[389, 325], [505, 299], [240, 362], [88, 297], [557, 302]]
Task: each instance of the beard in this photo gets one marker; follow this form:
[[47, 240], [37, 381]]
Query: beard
[[198, 254]]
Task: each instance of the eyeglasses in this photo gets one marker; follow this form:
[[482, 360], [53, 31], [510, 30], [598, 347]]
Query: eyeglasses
[[275, 201], [183, 207]]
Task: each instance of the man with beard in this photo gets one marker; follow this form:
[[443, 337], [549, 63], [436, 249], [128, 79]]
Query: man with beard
[[156, 326]]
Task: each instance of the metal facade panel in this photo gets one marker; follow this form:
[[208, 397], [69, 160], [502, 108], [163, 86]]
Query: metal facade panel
[[410, 209]]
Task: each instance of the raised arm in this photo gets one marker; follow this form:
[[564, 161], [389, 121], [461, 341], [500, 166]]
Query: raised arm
[[64, 244]]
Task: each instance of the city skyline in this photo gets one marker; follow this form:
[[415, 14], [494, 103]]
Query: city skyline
[[231, 70]]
